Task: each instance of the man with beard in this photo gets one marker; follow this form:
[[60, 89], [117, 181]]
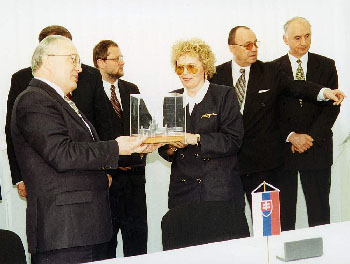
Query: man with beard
[[127, 193]]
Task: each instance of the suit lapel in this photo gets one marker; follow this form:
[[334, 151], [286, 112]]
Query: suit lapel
[[125, 101], [313, 72], [286, 66], [51, 92], [228, 73], [256, 78]]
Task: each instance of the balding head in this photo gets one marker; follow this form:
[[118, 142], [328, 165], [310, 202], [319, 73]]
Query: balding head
[[297, 35], [56, 60]]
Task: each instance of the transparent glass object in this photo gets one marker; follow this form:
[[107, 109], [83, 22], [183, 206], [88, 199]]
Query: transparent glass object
[[161, 118]]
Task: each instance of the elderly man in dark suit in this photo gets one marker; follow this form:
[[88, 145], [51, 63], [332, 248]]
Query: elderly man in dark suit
[[89, 97], [127, 193], [62, 161], [306, 129], [258, 86]]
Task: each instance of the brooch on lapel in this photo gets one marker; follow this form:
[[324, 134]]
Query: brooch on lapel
[[208, 115]]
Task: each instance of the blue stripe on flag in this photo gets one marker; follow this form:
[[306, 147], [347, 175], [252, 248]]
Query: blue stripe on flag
[[266, 220]]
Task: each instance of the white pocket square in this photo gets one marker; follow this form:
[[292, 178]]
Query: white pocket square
[[263, 91]]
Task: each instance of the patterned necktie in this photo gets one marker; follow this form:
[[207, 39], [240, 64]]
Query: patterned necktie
[[115, 102], [240, 87], [75, 108], [300, 76]]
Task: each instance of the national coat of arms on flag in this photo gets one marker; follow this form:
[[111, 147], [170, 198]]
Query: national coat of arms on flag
[[266, 211]]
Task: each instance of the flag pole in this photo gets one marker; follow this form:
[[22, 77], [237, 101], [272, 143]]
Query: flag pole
[[268, 251], [267, 238]]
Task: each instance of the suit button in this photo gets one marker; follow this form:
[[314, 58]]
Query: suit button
[[182, 156], [204, 159], [196, 155], [183, 180], [199, 180]]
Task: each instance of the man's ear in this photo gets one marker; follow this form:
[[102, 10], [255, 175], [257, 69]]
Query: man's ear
[[231, 48], [285, 39], [100, 64]]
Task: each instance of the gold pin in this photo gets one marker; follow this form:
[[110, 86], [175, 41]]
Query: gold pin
[[209, 115]]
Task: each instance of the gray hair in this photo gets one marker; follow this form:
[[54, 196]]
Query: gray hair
[[43, 49], [286, 25]]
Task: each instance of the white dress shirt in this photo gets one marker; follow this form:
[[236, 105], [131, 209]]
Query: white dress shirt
[[293, 61], [192, 101]]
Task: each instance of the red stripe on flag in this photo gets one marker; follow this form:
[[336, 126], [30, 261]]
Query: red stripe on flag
[[275, 215]]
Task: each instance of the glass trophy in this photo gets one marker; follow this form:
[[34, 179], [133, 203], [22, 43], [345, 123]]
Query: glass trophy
[[161, 118]]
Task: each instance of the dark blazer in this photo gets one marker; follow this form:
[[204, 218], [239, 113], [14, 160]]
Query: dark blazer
[[262, 147], [209, 172], [315, 120], [89, 97], [62, 168], [121, 127]]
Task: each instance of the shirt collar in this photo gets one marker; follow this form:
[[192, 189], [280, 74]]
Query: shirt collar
[[53, 85], [192, 101], [304, 59], [108, 85]]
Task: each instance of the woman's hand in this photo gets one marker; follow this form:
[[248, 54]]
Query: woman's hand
[[174, 146], [192, 139]]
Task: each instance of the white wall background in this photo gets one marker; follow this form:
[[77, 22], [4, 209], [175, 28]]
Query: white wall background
[[145, 31]]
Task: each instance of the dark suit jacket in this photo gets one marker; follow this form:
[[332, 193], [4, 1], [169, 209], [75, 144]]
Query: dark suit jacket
[[62, 168], [315, 120], [89, 97], [121, 127], [209, 172], [262, 147]]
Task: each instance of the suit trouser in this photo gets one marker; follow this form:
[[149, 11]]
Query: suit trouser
[[72, 255], [316, 186], [252, 180], [129, 213]]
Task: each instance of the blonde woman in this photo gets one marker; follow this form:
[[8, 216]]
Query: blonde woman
[[206, 201]]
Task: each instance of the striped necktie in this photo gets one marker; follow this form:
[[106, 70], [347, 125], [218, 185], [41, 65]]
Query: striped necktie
[[115, 102], [300, 76], [240, 87]]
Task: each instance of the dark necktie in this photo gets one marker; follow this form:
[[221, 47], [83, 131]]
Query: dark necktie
[[299, 75], [115, 102], [240, 87]]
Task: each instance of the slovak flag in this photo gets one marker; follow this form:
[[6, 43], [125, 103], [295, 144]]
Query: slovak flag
[[266, 211]]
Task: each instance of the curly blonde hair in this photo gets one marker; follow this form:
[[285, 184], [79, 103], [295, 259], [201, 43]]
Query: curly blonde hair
[[195, 47]]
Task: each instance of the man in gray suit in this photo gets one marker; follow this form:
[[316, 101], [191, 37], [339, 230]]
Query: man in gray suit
[[62, 161]]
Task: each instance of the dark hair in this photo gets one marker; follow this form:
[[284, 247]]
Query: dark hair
[[232, 34], [101, 50], [54, 30]]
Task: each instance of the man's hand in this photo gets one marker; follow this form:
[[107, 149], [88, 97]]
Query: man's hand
[[109, 177], [336, 95], [300, 142], [21, 188], [128, 145], [152, 147]]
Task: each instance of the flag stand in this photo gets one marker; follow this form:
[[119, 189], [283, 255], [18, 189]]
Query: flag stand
[[267, 238]]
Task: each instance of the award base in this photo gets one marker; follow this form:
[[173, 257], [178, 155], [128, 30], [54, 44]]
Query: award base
[[164, 139]]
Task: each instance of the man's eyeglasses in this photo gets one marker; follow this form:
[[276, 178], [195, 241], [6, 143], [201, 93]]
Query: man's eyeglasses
[[118, 59], [75, 58], [192, 69], [249, 45]]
